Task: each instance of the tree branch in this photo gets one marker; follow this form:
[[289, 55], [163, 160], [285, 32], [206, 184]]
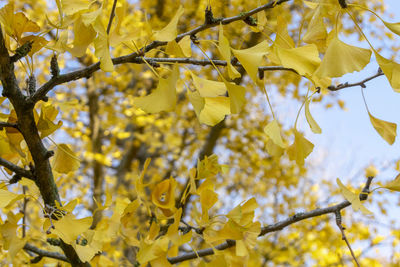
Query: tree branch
[[8, 124], [112, 14], [274, 227], [45, 253], [18, 170], [360, 83], [88, 71]]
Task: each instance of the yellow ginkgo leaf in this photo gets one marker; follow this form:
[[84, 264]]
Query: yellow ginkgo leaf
[[236, 96], [300, 149], [23, 24], [283, 38], [313, 124], [197, 101], [7, 197], [273, 149], [243, 214], [83, 36], [208, 167], [207, 199], [68, 228], [305, 60], [387, 130], [7, 18], [251, 58], [181, 49], [9, 234], [341, 58], [45, 123], [90, 18], [273, 131], [86, 253], [394, 185], [353, 198], [163, 98], [394, 27], [163, 196], [169, 32], [316, 31], [173, 49], [70, 7], [215, 109], [60, 45], [186, 46], [225, 51], [208, 88], [391, 70], [38, 42], [102, 51], [65, 160], [16, 24]]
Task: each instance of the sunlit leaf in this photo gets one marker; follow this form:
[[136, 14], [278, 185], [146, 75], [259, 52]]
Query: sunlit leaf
[[391, 70], [353, 198], [102, 47], [300, 149], [394, 27], [305, 60], [394, 185], [313, 124], [68, 228], [341, 58], [71, 7], [163, 98], [236, 96], [65, 160], [251, 58], [169, 32], [7, 197], [387, 130], [215, 109], [45, 124], [208, 88], [225, 51], [83, 36], [273, 131]]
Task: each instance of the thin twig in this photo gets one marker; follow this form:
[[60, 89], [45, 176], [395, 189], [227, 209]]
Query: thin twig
[[18, 170], [111, 16], [341, 228], [45, 253], [24, 188], [8, 124], [360, 83]]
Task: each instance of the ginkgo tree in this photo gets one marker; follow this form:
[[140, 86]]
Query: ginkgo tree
[[138, 133]]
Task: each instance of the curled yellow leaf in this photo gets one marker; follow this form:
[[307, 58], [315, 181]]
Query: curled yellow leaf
[[163, 194], [313, 124]]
